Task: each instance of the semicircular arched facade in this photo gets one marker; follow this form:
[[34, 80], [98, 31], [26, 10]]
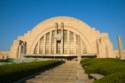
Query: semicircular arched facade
[[63, 36]]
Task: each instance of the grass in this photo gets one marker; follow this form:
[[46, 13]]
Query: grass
[[112, 69], [12, 72]]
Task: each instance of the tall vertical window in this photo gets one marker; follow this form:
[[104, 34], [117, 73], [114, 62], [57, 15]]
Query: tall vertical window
[[47, 37], [71, 36], [65, 35]]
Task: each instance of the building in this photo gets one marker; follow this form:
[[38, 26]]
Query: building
[[3, 55], [62, 37]]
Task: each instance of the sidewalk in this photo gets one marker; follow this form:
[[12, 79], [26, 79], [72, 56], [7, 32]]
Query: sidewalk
[[70, 72]]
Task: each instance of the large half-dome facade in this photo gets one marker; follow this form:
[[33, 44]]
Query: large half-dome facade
[[62, 36]]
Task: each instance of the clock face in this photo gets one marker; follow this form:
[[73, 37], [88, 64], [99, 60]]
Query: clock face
[[59, 36]]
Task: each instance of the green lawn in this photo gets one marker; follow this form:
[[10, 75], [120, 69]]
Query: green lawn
[[112, 69], [12, 72]]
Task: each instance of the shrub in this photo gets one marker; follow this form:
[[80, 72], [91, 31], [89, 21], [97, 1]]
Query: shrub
[[113, 69], [118, 77], [12, 72]]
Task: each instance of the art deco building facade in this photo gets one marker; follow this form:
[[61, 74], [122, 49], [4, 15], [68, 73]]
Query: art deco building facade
[[62, 36]]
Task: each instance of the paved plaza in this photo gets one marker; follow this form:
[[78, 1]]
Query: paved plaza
[[69, 72]]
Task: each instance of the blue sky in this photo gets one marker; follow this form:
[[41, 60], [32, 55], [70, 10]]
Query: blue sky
[[19, 16]]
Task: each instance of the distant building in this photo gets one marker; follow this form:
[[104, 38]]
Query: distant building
[[3, 55], [62, 37]]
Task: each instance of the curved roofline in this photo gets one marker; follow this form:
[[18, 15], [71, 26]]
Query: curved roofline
[[68, 17]]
